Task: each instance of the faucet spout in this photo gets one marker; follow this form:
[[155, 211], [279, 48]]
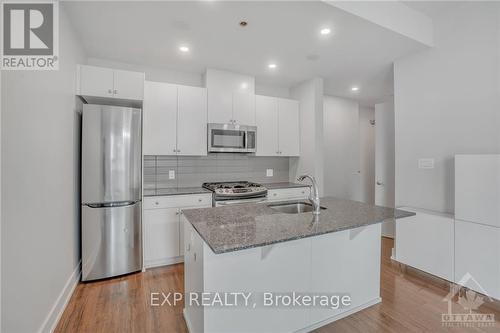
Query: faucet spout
[[314, 195]]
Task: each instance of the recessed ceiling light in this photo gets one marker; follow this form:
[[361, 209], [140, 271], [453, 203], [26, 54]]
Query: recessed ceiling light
[[325, 31], [354, 88], [272, 66], [184, 48]]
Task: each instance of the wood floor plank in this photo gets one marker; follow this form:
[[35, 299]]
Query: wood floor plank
[[411, 302]]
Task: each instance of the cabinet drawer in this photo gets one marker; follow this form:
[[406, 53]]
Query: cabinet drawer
[[178, 201], [288, 193]]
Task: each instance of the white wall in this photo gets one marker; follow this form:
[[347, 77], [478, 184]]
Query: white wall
[[310, 95], [447, 103], [367, 154], [341, 148], [40, 188]]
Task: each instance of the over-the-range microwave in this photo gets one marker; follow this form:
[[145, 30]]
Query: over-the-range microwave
[[230, 138]]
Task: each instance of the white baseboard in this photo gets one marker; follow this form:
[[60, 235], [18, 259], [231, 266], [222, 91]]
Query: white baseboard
[[162, 262], [61, 302], [340, 315]]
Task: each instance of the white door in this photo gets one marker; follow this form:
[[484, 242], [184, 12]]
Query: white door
[[160, 119], [96, 81], [288, 127], [220, 106], [267, 125], [128, 85], [244, 108], [161, 235], [192, 121], [384, 161]]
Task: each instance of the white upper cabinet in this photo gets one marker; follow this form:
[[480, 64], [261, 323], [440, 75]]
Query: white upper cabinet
[[231, 108], [220, 107], [128, 85], [101, 82], [244, 109], [95, 81], [175, 120], [159, 119], [192, 121], [288, 129], [267, 125], [277, 126]]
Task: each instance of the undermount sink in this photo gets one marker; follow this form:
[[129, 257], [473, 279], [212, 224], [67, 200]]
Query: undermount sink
[[293, 208]]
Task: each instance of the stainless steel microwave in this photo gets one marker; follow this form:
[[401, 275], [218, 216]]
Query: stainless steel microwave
[[229, 138]]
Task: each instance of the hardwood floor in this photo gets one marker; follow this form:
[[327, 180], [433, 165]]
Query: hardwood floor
[[412, 302]]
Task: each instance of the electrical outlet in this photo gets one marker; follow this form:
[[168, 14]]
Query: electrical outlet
[[171, 174], [269, 172]]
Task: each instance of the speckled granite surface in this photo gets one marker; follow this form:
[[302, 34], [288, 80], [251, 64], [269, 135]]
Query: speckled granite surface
[[233, 228], [276, 186], [176, 191]]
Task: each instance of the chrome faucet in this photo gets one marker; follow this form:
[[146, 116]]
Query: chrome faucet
[[314, 195]]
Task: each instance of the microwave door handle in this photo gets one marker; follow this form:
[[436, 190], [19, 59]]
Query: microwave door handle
[[245, 140]]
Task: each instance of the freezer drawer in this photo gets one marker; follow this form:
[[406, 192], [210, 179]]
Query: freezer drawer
[[111, 241]]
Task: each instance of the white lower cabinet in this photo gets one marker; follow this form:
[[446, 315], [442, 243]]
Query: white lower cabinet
[[163, 232], [296, 193], [477, 257]]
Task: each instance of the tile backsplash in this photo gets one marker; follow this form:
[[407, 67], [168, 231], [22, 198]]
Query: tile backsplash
[[193, 171]]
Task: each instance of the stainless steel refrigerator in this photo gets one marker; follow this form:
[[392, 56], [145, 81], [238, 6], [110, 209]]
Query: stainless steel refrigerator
[[111, 191]]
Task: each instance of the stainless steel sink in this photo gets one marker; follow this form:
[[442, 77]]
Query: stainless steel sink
[[293, 207]]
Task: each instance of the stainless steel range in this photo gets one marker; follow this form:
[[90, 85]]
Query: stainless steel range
[[233, 193]]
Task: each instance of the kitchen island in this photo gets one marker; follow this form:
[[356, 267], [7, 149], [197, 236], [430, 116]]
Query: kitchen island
[[244, 263]]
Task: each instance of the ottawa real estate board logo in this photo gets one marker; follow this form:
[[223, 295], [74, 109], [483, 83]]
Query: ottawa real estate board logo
[[30, 38]]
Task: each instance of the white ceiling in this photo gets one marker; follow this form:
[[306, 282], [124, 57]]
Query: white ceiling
[[149, 33], [432, 9]]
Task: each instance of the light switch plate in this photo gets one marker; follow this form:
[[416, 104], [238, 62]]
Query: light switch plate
[[426, 163], [171, 174], [269, 172]]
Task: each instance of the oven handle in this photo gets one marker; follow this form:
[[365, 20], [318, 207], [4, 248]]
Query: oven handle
[[239, 202]]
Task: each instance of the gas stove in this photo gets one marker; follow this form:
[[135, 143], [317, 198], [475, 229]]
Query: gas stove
[[238, 190]]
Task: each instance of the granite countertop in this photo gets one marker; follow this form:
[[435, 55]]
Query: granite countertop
[[233, 228], [276, 186], [175, 191]]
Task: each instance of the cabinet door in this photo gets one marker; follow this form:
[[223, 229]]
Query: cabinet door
[[96, 81], [192, 121], [477, 257], [160, 119], [267, 125], [220, 106], [128, 85], [161, 235], [477, 188], [288, 120], [244, 109]]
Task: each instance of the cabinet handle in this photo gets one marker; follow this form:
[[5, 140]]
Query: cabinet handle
[[188, 247], [194, 256], [115, 91], [175, 150], [157, 203], [200, 200], [275, 194], [110, 91]]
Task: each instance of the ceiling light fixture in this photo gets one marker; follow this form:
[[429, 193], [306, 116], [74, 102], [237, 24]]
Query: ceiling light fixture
[[354, 88], [184, 49], [325, 31], [272, 66]]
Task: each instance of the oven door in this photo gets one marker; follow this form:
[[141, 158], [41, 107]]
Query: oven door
[[239, 202], [226, 138]]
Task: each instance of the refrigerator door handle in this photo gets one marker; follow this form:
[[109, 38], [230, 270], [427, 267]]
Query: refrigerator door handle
[[111, 204]]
